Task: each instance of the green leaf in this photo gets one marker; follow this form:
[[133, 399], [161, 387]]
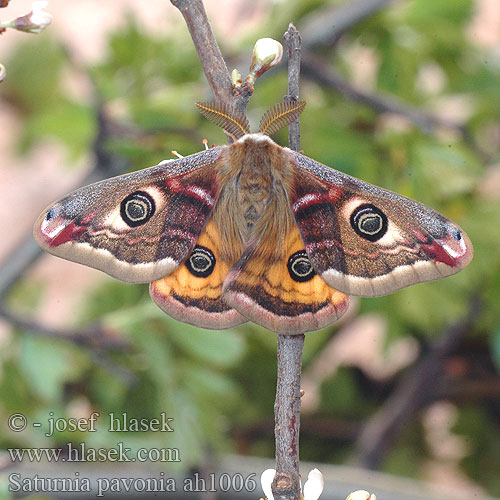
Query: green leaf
[[158, 357], [48, 365], [34, 74], [71, 123], [443, 171], [218, 347], [209, 385]]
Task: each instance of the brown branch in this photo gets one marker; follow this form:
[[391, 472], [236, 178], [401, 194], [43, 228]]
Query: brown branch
[[420, 387], [286, 484], [210, 56], [206, 46], [293, 44]]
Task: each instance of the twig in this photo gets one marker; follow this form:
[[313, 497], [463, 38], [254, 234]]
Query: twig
[[286, 484], [206, 46], [415, 391], [93, 337], [293, 42], [210, 56]]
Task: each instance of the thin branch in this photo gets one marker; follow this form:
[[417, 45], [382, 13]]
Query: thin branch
[[286, 484], [293, 43], [92, 338], [207, 48], [210, 55]]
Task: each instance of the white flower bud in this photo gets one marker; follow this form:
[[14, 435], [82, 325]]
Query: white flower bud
[[266, 54], [267, 51], [361, 495], [266, 480], [313, 487], [3, 72]]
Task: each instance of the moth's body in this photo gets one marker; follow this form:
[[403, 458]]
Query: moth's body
[[252, 207], [253, 231]]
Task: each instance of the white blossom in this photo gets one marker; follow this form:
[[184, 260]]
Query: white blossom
[[266, 479], [39, 17], [313, 487], [34, 21]]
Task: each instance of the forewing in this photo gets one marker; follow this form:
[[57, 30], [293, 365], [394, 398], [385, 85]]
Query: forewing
[[136, 227], [367, 241]]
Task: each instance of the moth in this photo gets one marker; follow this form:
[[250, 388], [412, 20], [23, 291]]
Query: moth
[[253, 231]]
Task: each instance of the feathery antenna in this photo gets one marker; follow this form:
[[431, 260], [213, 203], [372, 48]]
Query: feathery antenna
[[234, 123], [280, 115]]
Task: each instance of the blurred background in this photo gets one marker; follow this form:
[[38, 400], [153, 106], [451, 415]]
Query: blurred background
[[404, 94]]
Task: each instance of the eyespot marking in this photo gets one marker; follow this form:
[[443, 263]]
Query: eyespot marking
[[201, 262], [300, 267], [369, 222], [137, 208]]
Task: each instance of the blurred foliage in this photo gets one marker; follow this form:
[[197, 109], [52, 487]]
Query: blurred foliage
[[217, 384]]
